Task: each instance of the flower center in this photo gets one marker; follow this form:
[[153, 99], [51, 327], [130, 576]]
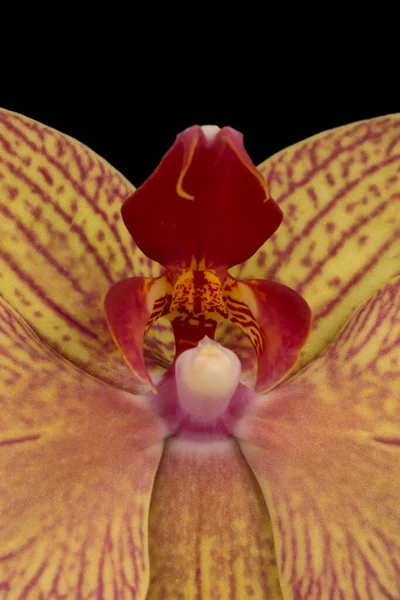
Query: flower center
[[201, 398], [206, 377]]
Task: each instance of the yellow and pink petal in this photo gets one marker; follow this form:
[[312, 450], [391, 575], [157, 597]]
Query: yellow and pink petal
[[77, 460], [63, 243], [209, 529], [340, 236], [325, 448]]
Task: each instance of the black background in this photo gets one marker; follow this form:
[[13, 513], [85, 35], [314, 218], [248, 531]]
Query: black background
[[131, 116]]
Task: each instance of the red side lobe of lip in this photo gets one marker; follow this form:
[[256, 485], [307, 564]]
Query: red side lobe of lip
[[275, 318], [131, 307]]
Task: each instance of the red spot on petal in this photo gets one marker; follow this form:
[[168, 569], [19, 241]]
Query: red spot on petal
[[66, 338], [261, 258], [37, 314], [46, 175], [335, 281], [292, 209], [391, 180], [362, 240], [330, 227], [313, 196], [36, 212], [100, 236], [12, 192], [375, 190], [330, 179]]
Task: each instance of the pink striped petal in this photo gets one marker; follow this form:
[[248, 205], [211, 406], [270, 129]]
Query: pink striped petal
[[325, 448], [63, 243], [210, 534], [340, 235], [77, 463]]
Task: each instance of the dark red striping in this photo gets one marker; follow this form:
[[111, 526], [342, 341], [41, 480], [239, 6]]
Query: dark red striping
[[30, 236], [100, 574], [316, 270], [132, 550], [75, 184], [394, 142], [290, 248], [25, 546], [81, 579], [35, 579], [390, 441], [330, 179], [42, 295], [370, 571], [360, 323], [7, 146], [19, 173], [56, 579], [338, 151], [6, 353], [46, 175], [357, 277], [20, 440]]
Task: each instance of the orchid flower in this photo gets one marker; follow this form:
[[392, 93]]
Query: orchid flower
[[172, 425]]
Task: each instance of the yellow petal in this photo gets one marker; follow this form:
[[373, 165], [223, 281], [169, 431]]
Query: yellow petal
[[325, 448], [77, 463], [62, 242], [209, 530], [340, 236]]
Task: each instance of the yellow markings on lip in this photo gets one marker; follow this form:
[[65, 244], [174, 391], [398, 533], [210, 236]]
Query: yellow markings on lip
[[198, 265], [197, 292], [183, 291]]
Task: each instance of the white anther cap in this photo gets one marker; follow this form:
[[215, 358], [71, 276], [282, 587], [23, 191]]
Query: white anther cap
[[206, 377]]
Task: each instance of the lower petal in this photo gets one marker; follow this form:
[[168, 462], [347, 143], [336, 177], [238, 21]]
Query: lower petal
[[325, 448], [210, 534], [77, 464]]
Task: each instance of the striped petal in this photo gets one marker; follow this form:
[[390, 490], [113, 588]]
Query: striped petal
[[209, 529], [77, 463], [325, 448], [340, 236], [63, 243]]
